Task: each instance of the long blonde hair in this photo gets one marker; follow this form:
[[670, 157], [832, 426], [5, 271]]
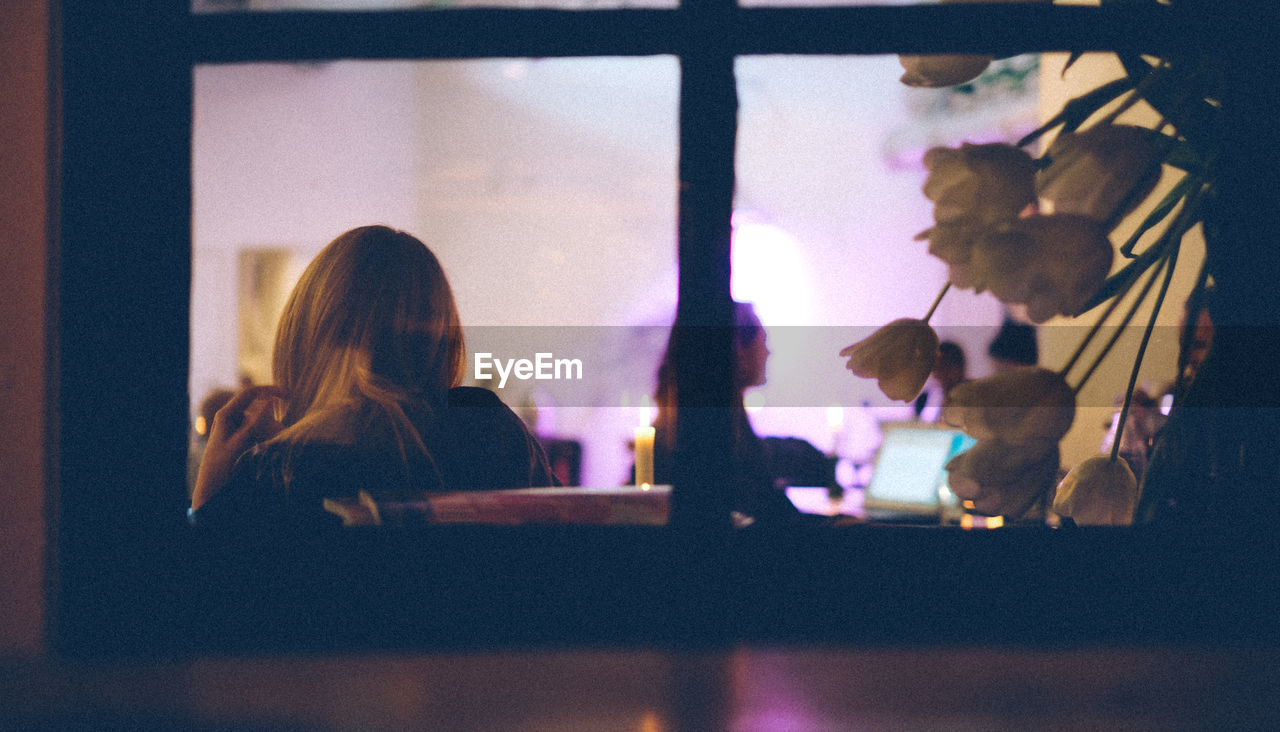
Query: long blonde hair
[[369, 336]]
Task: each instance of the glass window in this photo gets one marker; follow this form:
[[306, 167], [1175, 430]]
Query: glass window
[[551, 178], [547, 188], [829, 201]]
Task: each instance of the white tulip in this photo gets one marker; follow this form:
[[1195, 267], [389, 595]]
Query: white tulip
[[899, 356], [1052, 264], [979, 184], [1023, 406], [1098, 492], [936, 71], [1003, 479], [1095, 171]]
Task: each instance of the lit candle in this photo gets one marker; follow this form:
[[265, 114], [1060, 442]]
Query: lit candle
[[644, 447], [644, 455], [835, 420], [835, 417]]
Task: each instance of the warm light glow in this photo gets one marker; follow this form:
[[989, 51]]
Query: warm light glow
[[644, 455], [647, 411], [835, 416], [651, 721], [769, 271], [970, 521], [201, 427]]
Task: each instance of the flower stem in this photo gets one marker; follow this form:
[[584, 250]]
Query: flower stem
[[1133, 309], [1088, 338], [1169, 265], [1133, 98], [1139, 91], [1169, 243], [937, 300], [1138, 188]]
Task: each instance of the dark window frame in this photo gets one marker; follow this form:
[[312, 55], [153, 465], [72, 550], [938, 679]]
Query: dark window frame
[[121, 578]]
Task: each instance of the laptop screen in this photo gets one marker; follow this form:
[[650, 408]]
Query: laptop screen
[[909, 467]]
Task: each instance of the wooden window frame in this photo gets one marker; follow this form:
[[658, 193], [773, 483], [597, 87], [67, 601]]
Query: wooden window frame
[[122, 579]]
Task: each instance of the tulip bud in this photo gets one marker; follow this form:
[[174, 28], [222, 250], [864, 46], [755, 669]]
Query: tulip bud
[[1002, 479], [1103, 172], [936, 71], [899, 356], [953, 243], [1052, 264], [1023, 406], [1098, 492], [941, 70], [982, 184]]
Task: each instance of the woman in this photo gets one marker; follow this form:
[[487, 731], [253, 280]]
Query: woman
[[762, 468], [368, 356]]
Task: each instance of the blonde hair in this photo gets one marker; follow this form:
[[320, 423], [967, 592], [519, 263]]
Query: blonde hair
[[369, 336]]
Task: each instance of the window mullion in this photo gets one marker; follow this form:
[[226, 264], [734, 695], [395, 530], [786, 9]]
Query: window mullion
[[1002, 30], [702, 347]]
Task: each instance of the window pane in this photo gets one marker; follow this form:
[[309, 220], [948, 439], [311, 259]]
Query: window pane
[[829, 200], [547, 188]]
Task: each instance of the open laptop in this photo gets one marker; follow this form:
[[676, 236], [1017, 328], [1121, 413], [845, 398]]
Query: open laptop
[[909, 478]]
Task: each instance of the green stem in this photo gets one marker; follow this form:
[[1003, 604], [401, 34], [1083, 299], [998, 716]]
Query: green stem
[[1111, 308], [1133, 309], [937, 300], [1169, 243], [1181, 191], [1077, 110], [1169, 265], [1133, 98], [1139, 91], [1122, 207]]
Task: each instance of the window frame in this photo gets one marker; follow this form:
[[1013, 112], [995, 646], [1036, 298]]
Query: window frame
[[122, 578]]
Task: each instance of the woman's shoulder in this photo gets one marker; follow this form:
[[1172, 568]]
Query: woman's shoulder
[[480, 441]]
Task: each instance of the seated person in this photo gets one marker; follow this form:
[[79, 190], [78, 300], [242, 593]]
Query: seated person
[[209, 406], [949, 371], [1014, 345], [762, 469], [367, 360]]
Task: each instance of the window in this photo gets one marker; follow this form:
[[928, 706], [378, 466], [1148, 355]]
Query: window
[[547, 187], [123, 305]]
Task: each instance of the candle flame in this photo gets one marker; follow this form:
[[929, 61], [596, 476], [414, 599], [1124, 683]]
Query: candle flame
[[646, 412], [835, 416]]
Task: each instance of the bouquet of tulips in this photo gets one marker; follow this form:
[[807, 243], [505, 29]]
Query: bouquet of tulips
[[1035, 231]]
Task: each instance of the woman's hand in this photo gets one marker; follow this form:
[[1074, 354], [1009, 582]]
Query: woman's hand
[[249, 418]]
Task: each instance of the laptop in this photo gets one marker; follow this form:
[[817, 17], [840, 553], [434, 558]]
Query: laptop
[[909, 477]]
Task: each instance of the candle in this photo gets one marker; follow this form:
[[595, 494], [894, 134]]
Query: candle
[[835, 417], [835, 420], [644, 455]]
